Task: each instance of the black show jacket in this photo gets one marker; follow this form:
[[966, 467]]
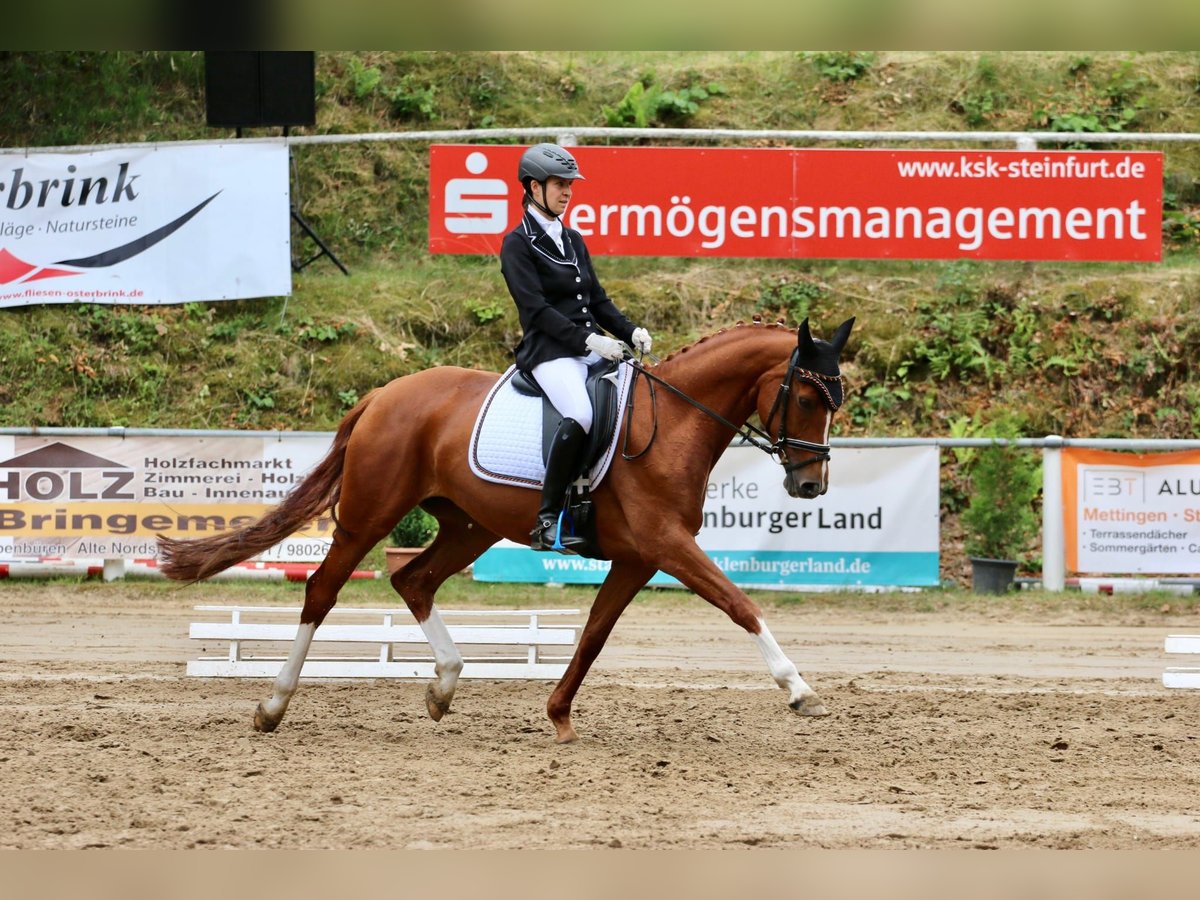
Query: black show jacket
[[559, 299]]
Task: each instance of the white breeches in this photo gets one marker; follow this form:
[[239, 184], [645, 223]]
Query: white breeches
[[563, 381]]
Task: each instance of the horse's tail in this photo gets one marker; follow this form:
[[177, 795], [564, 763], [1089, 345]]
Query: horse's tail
[[197, 559]]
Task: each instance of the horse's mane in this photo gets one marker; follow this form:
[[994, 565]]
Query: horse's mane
[[755, 322]]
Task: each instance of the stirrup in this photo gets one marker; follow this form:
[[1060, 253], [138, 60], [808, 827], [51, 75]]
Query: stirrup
[[541, 538], [558, 544]]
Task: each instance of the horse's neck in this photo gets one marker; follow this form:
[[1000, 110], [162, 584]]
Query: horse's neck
[[723, 372]]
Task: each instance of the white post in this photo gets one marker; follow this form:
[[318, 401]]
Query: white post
[[114, 569], [1025, 142], [1054, 573]]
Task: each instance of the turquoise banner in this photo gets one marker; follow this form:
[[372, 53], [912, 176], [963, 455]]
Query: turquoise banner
[[747, 568]]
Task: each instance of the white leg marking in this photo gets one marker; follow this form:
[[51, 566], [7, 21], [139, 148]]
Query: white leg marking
[[289, 676], [782, 669], [448, 662]]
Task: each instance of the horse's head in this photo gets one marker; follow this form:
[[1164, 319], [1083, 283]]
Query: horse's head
[[801, 410]]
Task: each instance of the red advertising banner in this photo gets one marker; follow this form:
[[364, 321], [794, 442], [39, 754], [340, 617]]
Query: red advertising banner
[[818, 203]]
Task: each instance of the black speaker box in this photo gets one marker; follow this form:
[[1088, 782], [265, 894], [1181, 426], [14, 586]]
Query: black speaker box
[[259, 88]]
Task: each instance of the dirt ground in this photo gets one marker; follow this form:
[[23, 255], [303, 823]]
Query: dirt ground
[[945, 730]]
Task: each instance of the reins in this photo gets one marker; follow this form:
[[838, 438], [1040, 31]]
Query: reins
[[750, 434]]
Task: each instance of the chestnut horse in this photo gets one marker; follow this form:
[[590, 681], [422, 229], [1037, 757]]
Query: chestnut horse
[[406, 443]]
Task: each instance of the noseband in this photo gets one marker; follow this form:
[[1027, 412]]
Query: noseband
[[758, 437]]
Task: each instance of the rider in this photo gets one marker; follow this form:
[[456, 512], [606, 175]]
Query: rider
[[562, 309]]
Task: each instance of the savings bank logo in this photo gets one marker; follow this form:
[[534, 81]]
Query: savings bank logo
[[59, 471], [73, 194], [476, 205]]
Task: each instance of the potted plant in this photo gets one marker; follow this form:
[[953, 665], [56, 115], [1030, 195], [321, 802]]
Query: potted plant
[[409, 537], [1000, 518]]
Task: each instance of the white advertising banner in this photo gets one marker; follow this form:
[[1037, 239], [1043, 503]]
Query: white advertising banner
[[101, 497], [169, 224], [877, 526], [1135, 513]]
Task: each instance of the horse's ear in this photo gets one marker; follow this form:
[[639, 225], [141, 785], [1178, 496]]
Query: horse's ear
[[805, 338], [842, 334]]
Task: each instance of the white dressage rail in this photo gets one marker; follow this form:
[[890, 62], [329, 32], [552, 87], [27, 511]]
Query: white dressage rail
[[1182, 677], [496, 643]]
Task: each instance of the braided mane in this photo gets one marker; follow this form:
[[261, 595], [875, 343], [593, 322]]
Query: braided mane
[[756, 322]]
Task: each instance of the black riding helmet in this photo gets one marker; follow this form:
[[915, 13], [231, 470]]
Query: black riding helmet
[[542, 162]]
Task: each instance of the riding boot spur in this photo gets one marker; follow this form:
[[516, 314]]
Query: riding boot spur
[[562, 467]]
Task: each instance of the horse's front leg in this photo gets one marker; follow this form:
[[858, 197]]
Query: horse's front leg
[[687, 562], [621, 585], [801, 698]]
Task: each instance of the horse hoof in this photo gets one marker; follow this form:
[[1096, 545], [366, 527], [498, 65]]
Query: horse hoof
[[809, 706], [568, 737], [262, 722], [436, 706]]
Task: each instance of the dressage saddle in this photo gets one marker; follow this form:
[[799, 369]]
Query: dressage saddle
[[601, 386]]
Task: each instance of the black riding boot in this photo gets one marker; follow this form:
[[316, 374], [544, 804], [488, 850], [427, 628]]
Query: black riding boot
[[561, 469]]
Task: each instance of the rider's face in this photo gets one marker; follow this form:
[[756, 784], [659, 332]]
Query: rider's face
[[558, 194]]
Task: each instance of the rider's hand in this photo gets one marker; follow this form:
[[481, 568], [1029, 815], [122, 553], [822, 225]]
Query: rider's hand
[[641, 340], [605, 346]]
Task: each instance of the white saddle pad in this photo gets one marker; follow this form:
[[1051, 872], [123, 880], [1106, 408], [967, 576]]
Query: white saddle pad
[[506, 442]]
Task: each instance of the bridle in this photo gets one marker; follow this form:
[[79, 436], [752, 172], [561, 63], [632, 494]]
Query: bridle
[[750, 434], [820, 452]]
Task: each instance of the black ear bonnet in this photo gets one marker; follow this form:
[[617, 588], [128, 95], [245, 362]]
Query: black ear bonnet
[[816, 362]]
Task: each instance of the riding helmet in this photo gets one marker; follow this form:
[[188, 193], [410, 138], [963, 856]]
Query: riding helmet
[[543, 161]]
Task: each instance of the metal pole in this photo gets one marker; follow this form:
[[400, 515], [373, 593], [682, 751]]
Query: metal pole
[[1054, 574]]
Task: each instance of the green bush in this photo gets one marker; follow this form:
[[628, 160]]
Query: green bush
[[841, 65], [416, 529], [1000, 519], [646, 104]]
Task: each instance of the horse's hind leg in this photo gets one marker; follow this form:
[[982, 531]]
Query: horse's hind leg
[[459, 542], [320, 595]]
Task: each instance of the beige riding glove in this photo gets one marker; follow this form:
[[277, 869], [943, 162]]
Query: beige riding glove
[[605, 346], [641, 340]]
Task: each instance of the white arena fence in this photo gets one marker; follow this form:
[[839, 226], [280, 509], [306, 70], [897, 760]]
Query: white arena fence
[[496, 643], [1182, 677]]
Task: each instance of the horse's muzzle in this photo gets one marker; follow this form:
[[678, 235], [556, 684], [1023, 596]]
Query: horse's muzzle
[[801, 488]]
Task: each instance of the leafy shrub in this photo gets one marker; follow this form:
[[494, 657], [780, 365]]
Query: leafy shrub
[[984, 98], [323, 332], [411, 99], [416, 529], [841, 65], [364, 79], [646, 104], [484, 311], [1181, 226], [950, 341], [1112, 107], [794, 299], [1004, 483]]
